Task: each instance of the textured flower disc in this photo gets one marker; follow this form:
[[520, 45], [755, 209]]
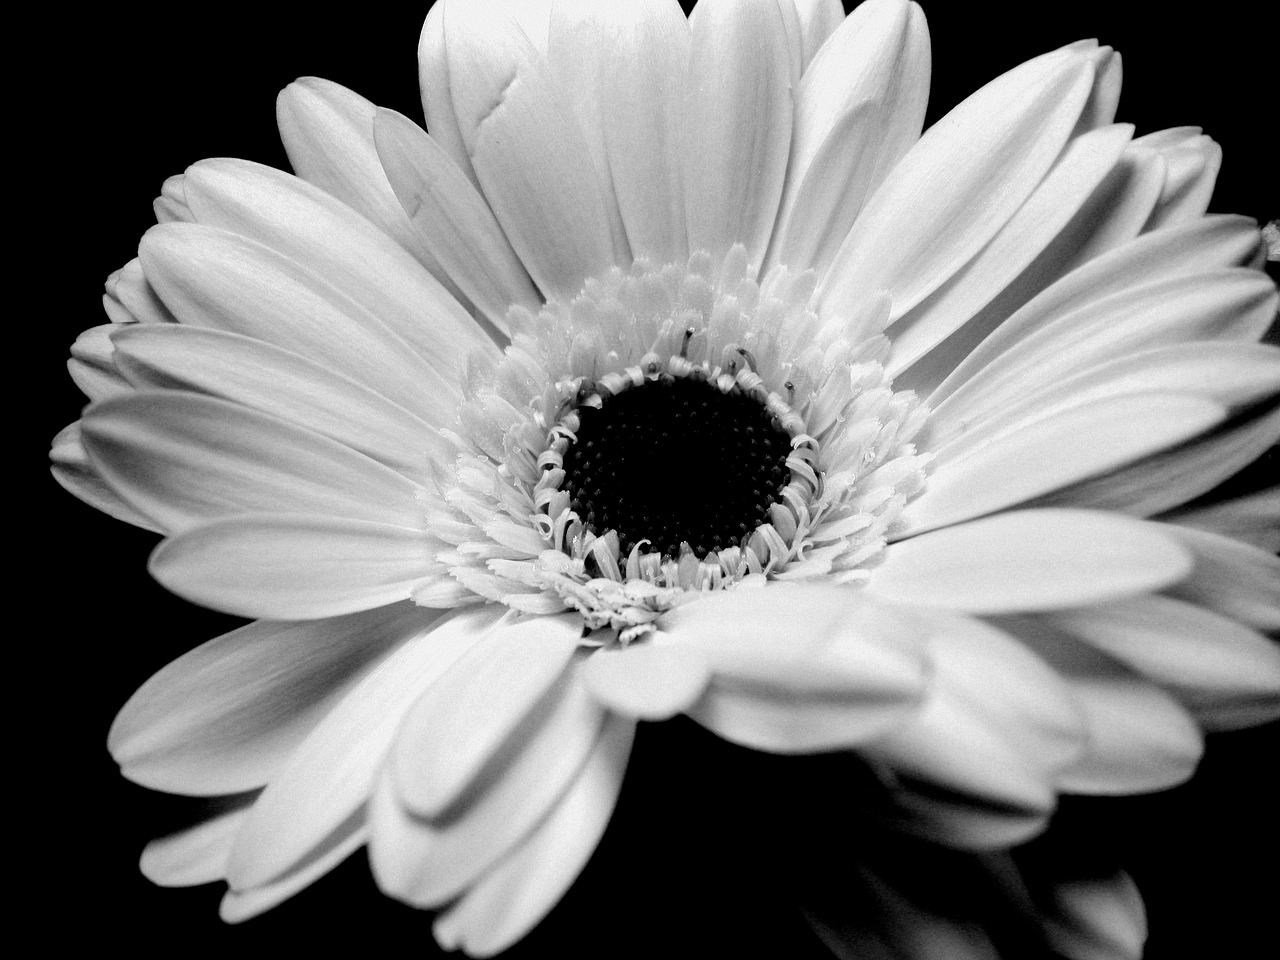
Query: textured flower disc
[[675, 461]]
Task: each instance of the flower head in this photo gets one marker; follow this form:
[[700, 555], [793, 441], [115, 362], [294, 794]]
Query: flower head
[[675, 371]]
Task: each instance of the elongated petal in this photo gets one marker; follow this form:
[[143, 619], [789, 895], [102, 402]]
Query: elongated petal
[[198, 854], [75, 474], [343, 752], [239, 905], [273, 380], [283, 566], [183, 458], [859, 108], [1084, 164], [225, 716], [216, 279], [1229, 305], [1139, 737], [800, 669], [1227, 673], [428, 862], [1235, 375], [508, 901], [1170, 479], [305, 224], [437, 95], [92, 365], [818, 20], [1253, 519], [1038, 458], [451, 219], [463, 719], [938, 206], [626, 63], [997, 722], [737, 125], [527, 150], [1236, 579], [1214, 242], [1098, 919], [1029, 560], [327, 131], [1192, 162], [648, 681]]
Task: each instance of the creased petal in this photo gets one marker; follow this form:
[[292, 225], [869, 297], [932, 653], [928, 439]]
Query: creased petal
[[451, 219], [75, 474], [1235, 579], [527, 150]]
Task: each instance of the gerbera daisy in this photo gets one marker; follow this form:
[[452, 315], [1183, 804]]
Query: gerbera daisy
[[672, 374]]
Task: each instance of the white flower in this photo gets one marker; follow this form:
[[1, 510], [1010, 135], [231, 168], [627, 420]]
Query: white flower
[[991, 355]]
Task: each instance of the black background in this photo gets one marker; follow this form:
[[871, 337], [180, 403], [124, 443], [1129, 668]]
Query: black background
[[117, 101]]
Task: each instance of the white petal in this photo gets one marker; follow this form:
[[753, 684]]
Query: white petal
[[1227, 673], [451, 219], [1170, 479], [1037, 458], [1029, 560], [800, 669], [940, 205], [327, 131], [648, 680], [212, 278], [1228, 305], [1192, 162], [75, 474], [527, 150], [859, 108], [225, 716], [92, 365], [332, 773], [1098, 919], [1082, 167], [276, 381], [183, 458], [818, 20], [1236, 579], [240, 905], [462, 721], [307, 225], [626, 63], [198, 854], [437, 97], [737, 125], [512, 898], [283, 566], [1214, 242], [1253, 519], [427, 863], [997, 723], [1234, 375]]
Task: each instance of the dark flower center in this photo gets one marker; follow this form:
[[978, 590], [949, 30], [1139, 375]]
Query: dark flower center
[[676, 461]]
